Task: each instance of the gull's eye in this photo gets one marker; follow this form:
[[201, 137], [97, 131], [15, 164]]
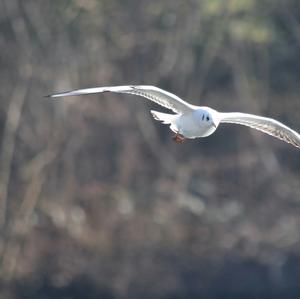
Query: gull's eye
[[207, 118]]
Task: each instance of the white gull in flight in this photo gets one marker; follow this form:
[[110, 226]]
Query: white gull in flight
[[190, 121]]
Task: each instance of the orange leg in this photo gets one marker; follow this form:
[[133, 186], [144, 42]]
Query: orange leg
[[178, 138]]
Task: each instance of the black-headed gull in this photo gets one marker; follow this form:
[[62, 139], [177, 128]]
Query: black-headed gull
[[192, 121]]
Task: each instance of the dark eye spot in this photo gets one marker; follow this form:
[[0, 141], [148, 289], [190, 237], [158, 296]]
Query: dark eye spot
[[203, 117], [207, 118]]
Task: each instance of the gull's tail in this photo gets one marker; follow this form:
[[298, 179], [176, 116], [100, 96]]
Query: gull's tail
[[165, 118]]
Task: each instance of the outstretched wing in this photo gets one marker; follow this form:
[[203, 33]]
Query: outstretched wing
[[155, 94], [267, 125]]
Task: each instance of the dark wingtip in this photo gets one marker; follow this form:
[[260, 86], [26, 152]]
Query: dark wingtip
[[48, 96]]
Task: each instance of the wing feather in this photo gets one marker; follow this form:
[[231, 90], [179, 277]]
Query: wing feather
[[152, 93], [264, 124]]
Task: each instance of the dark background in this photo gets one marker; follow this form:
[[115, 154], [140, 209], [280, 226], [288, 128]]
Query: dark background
[[96, 201]]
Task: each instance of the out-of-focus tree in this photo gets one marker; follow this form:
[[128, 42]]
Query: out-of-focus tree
[[95, 197]]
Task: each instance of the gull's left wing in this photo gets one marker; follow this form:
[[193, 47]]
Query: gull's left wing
[[267, 125], [152, 93]]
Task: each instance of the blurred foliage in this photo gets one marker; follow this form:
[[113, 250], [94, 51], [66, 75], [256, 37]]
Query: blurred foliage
[[95, 199]]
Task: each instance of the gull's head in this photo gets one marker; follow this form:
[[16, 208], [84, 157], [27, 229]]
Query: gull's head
[[208, 118]]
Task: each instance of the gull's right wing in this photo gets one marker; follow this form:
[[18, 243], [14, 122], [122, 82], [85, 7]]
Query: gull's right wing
[[152, 93]]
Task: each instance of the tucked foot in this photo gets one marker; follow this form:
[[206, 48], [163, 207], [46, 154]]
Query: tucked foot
[[178, 138]]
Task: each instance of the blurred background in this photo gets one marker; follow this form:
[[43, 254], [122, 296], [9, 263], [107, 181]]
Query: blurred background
[[96, 201]]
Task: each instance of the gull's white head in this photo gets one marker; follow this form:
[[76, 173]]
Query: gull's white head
[[208, 119]]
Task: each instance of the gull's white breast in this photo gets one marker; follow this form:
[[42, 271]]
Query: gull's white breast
[[190, 125]]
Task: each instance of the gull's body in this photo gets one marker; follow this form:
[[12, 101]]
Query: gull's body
[[190, 121], [192, 124]]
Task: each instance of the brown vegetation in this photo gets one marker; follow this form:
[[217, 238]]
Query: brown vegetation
[[96, 201]]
